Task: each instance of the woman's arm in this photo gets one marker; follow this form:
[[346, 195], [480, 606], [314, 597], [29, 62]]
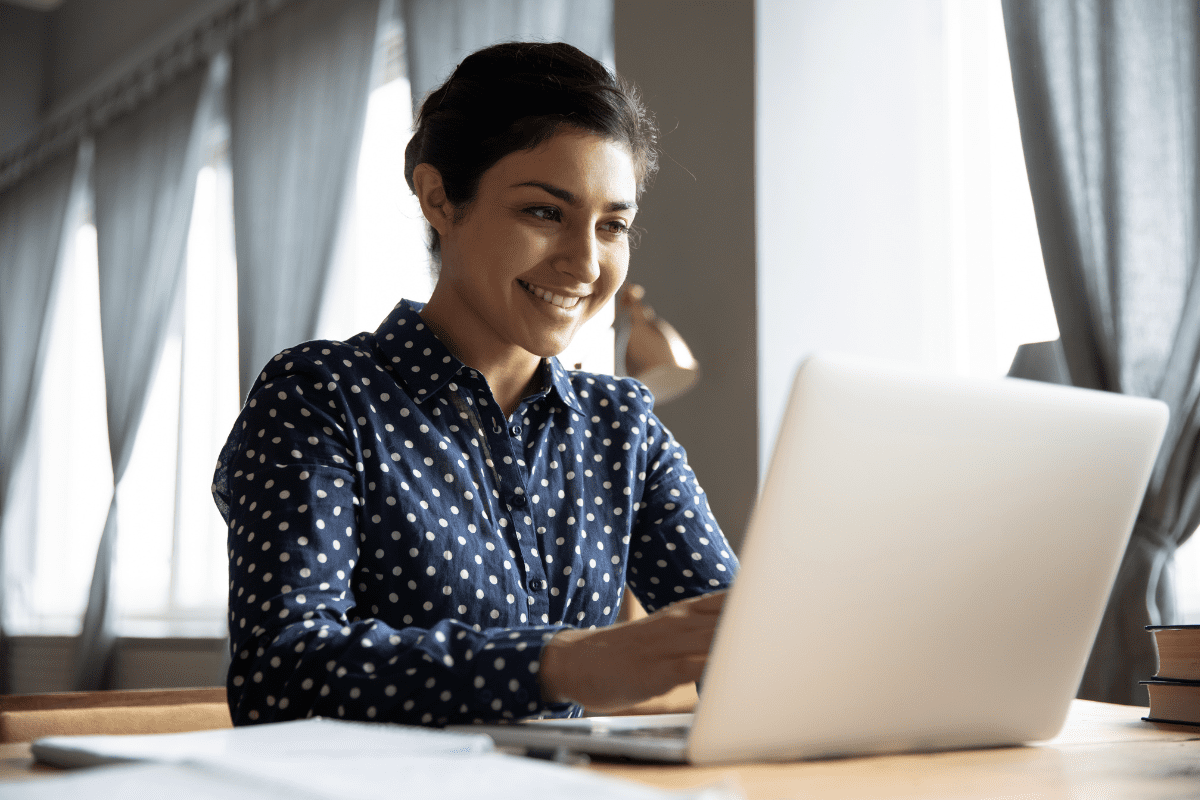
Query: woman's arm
[[680, 564], [677, 549]]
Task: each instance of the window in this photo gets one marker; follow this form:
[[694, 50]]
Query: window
[[997, 281], [170, 570], [170, 575], [381, 255], [67, 456]]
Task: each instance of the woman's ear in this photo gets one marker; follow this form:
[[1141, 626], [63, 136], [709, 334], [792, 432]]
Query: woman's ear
[[427, 185]]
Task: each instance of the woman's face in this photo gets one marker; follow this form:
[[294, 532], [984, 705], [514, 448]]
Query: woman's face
[[541, 248]]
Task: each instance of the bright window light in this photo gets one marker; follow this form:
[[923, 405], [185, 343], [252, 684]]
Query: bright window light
[[381, 255], [69, 451], [170, 574]]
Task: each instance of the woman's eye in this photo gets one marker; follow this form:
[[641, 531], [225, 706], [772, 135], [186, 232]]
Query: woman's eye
[[617, 226], [548, 213]]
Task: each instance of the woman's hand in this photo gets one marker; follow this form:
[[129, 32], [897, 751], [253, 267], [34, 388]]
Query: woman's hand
[[625, 663]]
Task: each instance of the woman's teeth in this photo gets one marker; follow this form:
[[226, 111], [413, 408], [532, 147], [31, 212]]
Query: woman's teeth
[[550, 297]]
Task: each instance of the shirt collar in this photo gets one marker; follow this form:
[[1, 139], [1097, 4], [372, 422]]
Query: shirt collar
[[435, 368], [419, 359], [561, 384]]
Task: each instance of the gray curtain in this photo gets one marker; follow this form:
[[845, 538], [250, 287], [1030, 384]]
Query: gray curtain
[[145, 182], [299, 94], [1106, 93], [35, 216], [440, 33]]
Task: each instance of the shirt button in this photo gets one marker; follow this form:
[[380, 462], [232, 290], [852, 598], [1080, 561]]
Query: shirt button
[[537, 586], [516, 430], [518, 501]]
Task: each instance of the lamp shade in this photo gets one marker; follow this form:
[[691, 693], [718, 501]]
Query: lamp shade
[[649, 349]]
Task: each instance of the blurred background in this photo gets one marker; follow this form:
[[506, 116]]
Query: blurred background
[[834, 176]]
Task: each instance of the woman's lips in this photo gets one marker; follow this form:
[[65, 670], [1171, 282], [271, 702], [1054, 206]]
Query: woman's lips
[[550, 297]]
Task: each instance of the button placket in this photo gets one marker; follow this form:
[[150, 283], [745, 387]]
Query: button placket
[[525, 509]]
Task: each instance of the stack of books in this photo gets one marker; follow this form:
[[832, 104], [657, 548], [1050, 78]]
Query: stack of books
[[1175, 689]]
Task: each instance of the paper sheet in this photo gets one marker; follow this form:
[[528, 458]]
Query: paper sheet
[[308, 738], [319, 759]]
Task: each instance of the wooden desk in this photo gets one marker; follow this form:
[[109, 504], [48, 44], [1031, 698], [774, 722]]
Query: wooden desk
[[1104, 751]]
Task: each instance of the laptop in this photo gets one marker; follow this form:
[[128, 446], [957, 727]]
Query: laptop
[[925, 569]]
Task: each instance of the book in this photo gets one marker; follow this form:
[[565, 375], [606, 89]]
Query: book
[[1177, 702], [1178, 648]]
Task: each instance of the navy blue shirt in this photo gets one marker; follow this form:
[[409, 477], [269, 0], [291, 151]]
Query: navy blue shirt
[[399, 550]]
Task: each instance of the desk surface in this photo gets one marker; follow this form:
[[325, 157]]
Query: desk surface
[[1104, 751]]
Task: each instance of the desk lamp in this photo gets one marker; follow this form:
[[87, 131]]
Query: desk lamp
[[649, 349]]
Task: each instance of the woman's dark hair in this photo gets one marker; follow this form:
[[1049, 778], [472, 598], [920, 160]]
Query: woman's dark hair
[[514, 96]]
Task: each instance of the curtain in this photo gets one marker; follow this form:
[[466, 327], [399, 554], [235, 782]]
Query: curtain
[[299, 95], [145, 182], [1106, 95], [440, 33], [35, 229]]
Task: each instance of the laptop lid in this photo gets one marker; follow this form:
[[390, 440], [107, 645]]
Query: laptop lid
[[927, 564]]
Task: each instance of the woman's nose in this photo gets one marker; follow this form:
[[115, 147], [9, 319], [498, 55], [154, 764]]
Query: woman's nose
[[582, 257]]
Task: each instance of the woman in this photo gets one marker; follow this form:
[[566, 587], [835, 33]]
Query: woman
[[434, 523]]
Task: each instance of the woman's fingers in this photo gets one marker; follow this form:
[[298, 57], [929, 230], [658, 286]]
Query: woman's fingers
[[708, 603], [692, 621], [632, 661]]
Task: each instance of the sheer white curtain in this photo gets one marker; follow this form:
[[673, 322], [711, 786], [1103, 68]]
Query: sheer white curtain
[[35, 225], [145, 181], [381, 255], [169, 573], [299, 94]]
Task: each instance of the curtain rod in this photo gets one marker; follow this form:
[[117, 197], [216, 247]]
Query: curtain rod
[[133, 88]]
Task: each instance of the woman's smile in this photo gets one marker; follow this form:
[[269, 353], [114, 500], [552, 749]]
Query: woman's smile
[[537, 253], [565, 302]]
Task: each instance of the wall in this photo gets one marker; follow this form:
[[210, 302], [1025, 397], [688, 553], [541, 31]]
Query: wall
[[23, 36], [41, 664], [694, 62], [91, 40], [851, 137], [52, 59]]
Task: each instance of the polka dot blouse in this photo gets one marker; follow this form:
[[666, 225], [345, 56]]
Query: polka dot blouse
[[398, 550]]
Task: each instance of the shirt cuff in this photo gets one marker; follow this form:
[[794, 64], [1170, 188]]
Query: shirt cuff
[[507, 679]]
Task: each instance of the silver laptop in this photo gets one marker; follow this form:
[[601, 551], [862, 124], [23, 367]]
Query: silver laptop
[[925, 569]]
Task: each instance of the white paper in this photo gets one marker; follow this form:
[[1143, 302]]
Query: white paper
[[137, 781], [309, 738], [491, 775], [319, 759], [495, 776]]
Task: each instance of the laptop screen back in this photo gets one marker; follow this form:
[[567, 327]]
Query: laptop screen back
[[927, 564]]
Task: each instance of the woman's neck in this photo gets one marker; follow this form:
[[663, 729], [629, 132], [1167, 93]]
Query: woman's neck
[[509, 371]]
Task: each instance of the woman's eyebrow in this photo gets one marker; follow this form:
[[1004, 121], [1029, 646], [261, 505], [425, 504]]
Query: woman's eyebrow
[[571, 199]]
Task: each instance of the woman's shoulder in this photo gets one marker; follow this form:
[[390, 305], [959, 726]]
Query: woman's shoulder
[[326, 359], [598, 392]]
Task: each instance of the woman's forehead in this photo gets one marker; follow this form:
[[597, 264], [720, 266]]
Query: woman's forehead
[[572, 166]]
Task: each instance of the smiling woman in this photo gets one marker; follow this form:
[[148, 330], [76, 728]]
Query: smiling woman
[[542, 247], [435, 522]]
